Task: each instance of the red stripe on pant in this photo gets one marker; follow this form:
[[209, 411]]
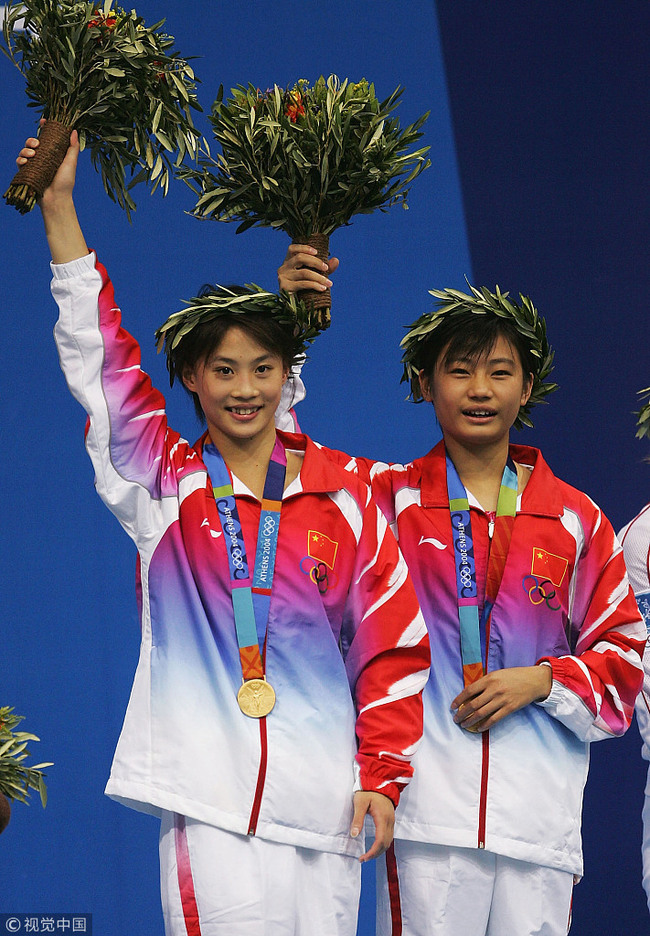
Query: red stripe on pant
[[393, 892], [185, 880]]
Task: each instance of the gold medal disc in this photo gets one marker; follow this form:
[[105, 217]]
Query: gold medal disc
[[475, 728], [256, 698]]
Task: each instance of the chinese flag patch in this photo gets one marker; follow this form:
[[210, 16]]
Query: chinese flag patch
[[548, 566], [322, 548]]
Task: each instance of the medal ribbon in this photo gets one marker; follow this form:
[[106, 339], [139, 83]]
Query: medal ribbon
[[251, 600], [468, 616]]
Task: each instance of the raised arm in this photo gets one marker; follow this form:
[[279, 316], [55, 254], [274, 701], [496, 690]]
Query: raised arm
[[64, 234], [127, 436]]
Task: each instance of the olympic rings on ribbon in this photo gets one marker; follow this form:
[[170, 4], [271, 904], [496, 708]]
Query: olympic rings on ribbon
[[270, 523], [323, 577], [539, 589]]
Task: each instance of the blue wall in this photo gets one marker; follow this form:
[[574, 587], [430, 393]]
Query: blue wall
[[536, 145]]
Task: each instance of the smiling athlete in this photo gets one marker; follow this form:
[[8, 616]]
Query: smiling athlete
[[277, 698], [536, 640]]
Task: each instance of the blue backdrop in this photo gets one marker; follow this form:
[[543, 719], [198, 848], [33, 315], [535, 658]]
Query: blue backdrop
[[538, 147]]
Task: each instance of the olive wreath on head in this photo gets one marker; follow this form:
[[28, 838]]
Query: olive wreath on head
[[529, 323], [293, 315], [643, 415]]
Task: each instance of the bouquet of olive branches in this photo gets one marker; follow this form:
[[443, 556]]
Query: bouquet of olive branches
[[16, 779], [305, 160], [93, 67]]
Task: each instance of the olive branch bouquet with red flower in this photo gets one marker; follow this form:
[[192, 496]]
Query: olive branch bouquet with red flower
[[305, 160], [100, 70], [16, 779]]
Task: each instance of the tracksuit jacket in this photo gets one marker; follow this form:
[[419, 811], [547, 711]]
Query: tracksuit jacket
[[346, 647], [564, 598]]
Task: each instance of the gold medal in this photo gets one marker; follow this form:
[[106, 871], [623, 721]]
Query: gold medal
[[475, 728], [256, 698]]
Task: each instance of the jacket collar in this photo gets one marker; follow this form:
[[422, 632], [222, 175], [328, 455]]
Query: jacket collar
[[318, 474], [542, 494]]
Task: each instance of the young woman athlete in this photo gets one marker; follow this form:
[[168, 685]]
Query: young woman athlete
[[277, 698], [536, 640]]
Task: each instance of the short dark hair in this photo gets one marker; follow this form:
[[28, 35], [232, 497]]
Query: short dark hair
[[204, 339], [468, 336], [468, 325]]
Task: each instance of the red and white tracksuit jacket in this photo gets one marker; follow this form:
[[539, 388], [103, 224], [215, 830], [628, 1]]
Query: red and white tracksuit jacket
[[565, 598], [346, 649]]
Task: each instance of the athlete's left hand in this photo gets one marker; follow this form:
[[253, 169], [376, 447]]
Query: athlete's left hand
[[383, 815], [302, 269], [500, 693]]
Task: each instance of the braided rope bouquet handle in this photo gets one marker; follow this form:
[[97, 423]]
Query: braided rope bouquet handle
[[5, 812], [318, 302], [31, 180]]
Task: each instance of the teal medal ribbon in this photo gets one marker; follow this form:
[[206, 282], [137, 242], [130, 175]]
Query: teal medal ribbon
[[466, 589], [251, 598]]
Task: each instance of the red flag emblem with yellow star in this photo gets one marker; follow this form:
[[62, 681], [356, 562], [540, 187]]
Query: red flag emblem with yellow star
[[322, 548], [548, 566]]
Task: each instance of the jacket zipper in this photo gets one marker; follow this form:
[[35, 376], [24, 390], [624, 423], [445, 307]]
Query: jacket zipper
[[261, 777], [261, 773], [485, 736], [485, 763], [482, 806]]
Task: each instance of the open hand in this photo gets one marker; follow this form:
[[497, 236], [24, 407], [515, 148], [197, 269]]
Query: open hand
[[383, 814]]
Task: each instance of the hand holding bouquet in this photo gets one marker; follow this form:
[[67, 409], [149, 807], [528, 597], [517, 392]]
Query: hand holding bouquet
[[95, 68]]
